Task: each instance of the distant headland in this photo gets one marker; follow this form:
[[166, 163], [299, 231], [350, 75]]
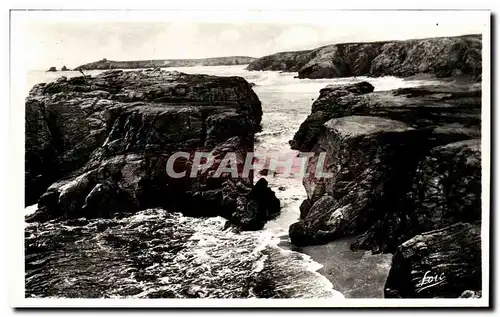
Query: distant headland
[[153, 63]]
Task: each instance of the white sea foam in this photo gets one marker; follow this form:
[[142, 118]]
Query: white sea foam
[[213, 255], [30, 209]]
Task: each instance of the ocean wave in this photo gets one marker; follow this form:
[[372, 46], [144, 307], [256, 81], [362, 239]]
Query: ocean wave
[[155, 253], [271, 133], [160, 254]]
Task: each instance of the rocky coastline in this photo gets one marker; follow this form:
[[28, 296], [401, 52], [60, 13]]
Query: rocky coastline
[[97, 147], [441, 57], [214, 61], [406, 174], [405, 167]]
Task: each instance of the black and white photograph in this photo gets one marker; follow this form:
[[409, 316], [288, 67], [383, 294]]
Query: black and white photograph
[[251, 158]]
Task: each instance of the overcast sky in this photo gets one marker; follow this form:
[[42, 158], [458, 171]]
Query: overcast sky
[[72, 44]]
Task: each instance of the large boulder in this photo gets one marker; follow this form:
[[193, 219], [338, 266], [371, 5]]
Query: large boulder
[[442, 263], [371, 160], [386, 151], [108, 140], [405, 177], [448, 185]]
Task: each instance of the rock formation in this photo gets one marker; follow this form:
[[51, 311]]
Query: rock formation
[[405, 166], [440, 263], [64, 68], [52, 69], [442, 57], [97, 147], [153, 63]]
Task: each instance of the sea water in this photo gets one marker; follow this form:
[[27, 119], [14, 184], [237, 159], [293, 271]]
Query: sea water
[[214, 262]]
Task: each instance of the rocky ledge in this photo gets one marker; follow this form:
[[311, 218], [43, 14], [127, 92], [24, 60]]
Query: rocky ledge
[[442, 57], [405, 171], [97, 147]]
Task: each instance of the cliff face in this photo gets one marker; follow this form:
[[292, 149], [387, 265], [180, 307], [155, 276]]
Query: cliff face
[[442, 57], [284, 61], [97, 147], [215, 61], [403, 163]]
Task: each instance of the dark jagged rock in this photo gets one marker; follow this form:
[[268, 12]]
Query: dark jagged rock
[[155, 63], [52, 69], [471, 294], [41, 155], [377, 144], [64, 68], [402, 163], [247, 206], [442, 57], [106, 141], [304, 208], [369, 158], [446, 189], [440, 263], [261, 204]]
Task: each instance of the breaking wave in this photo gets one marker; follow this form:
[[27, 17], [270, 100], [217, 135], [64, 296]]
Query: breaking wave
[[155, 253], [160, 254]]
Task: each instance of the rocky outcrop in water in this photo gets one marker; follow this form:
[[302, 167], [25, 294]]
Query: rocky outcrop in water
[[153, 63], [52, 69], [402, 163], [98, 147], [442, 57]]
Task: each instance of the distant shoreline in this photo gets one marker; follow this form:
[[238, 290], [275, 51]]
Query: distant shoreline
[[164, 63]]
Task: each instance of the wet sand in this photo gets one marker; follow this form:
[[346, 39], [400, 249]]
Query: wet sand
[[357, 274]]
